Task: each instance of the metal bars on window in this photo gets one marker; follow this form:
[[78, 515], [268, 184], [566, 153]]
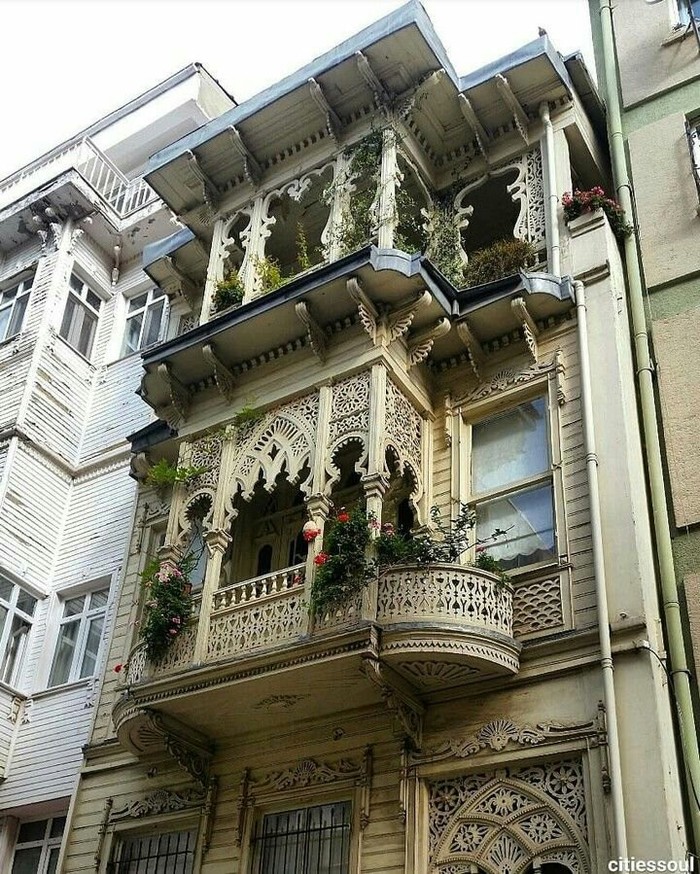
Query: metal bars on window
[[692, 132], [310, 840], [169, 853]]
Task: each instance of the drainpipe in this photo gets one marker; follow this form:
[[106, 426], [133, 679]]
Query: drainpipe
[[606, 661], [678, 665], [553, 253]]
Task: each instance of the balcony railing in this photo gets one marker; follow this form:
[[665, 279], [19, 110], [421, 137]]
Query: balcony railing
[[123, 195], [414, 606]]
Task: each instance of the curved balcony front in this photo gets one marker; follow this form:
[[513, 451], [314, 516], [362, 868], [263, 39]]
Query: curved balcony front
[[431, 627]]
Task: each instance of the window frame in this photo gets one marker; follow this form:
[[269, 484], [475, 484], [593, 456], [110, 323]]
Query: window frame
[[47, 843], [84, 619], [125, 825], [83, 306], [152, 300], [153, 830], [22, 284], [5, 635], [480, 411]]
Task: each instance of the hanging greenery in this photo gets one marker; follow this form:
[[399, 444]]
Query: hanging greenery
[[229, 292], [500, 259], [163, 474], [444, 245], [168, 604]]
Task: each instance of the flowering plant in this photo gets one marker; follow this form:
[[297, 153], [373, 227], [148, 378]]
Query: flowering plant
[[168, 604], [343, 567], [581, 202]]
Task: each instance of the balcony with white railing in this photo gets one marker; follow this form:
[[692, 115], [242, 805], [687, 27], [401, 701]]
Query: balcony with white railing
[[121, 194]]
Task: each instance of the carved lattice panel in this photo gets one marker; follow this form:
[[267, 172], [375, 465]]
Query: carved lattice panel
[[260, 624], [536, 222], [206, 453], [403, 428], [501, 822], [444, 593], [537, 607], [181, 653], [349, 409]]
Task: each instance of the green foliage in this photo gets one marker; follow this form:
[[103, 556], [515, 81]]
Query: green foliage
[[168, 604], [303, 257], [246, 416], [343, 568], [444, 246], [502, 258], [486, 562], [269, 274], [163, 474], [229, 292], [581, 202], [410, 233]]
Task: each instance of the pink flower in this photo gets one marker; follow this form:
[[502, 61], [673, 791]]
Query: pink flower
[[321, 558], [173, 631], [374, 525], [176, 620], [118, 668], [296, 579], [388, 529]]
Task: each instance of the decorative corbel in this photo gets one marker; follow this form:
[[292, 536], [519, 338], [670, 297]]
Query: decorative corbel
[[117, 249], [406, 710], [530, 330], [381, 95], [406, 102], [368, 313], [400, 318], [421, 343], [210, 191], [559, 372], [139, 467], [473, 347], [251, 169], [315, 333], [183, 284], [334, 125], [483, 138], [76, 234], [180, 395], [512, 102], [225, 380], [190, 749]]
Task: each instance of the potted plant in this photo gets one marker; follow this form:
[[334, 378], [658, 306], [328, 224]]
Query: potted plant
[[500, 259], [580, 202], [168, 604], [229, 292]]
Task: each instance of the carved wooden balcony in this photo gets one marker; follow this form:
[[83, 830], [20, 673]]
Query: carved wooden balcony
[[415, 630]]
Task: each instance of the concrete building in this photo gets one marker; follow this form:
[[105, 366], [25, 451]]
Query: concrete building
[[652, 79], [75, 310], [349, 349]]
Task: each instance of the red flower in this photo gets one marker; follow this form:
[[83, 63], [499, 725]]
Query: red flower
[[310, 534], [118, 668], [321, 558], [343, 517]]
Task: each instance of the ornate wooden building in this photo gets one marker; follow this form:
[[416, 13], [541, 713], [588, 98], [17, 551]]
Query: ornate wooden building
[[340, 348]]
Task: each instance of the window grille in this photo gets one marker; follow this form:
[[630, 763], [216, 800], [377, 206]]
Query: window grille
[[310, 840], [169, 853]]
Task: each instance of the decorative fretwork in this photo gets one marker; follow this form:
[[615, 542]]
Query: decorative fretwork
[[349, 410], [509, 378], [501, 822], [258, 613], [159, 802], [180, 653], [403, 429], [283, 440], [537, 606], [206, 453], [536, 223], [441, 593]]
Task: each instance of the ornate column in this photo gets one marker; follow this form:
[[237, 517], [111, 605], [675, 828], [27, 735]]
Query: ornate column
[[342, 188], [215, 269], [388, 181], [254, 238]]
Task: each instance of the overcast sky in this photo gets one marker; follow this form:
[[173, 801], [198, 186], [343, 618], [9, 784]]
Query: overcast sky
[[66, 63]]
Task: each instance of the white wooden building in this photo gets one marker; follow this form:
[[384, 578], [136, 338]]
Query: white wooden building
[[75, 311]]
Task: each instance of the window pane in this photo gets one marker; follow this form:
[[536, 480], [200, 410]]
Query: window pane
[[60, 672], [17, 316], [87, 334], [523, 525], [154, 316], [14, 650], [53, 860], [73, 606], [26, 602], [69, 315], [94, 301], [27, 861], [136, 303], [92, 646], [3, 617], [5, 589], [99, 599], [133, 333], [510, 447], [57, 826], [76, 283], [32, 831], [4, 322]]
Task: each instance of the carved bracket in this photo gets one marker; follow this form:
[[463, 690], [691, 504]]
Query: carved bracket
[[210, 191], [399, 319], [251, 169], [530, 330], [314, 332], [334, 125], [473, 346], [519, 117], [386, 325], [180, 395], [483, 138], [178, 282], [382, 98], [225, 380], [421, 343], [406, 710]]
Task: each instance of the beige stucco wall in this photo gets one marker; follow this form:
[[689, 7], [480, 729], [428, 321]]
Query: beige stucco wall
[[666, 200], [677, 349], [649, 63]]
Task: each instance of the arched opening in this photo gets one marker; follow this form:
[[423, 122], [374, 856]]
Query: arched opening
[[495, 213], [267, 533], [410, 233], [195, 547], [233, 246], [347, 489], [397, 506], [301, 214]]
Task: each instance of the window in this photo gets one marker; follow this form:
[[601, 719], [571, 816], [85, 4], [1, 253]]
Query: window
[[169, 853], [145, 320], [310, 840], [512, 485], [688, 10], [13, 305], [80, 317], [38, 846], [79, 637], [16, 612]]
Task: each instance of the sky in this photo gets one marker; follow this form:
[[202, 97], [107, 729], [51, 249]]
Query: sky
[[66, 63]]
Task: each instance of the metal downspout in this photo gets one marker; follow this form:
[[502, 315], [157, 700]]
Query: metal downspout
[[606, 661], [679, 672], [554, 249]]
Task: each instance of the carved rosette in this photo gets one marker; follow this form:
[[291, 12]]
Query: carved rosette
[[502, 821]]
